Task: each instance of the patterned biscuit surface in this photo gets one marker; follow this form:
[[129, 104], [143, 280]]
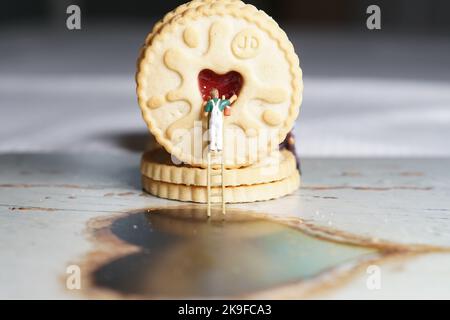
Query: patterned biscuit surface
[[173, 15], [179, 10], [221, 37], [258, 192], [158, 165]]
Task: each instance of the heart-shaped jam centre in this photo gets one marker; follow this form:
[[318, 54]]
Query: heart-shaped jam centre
[[227, 84]]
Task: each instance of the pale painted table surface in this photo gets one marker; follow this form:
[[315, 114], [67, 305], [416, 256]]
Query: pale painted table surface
[[71, 100]]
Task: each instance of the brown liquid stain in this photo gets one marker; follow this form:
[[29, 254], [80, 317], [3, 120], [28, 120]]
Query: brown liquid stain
[[23, 209], [329, 280], [351, 174], [319, 197], [109, 247], [332, 234], [124, 194], [411, 174]]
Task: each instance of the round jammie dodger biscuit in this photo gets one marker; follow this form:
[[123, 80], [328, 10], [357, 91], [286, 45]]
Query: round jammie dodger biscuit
[[223, 42], [237, 194], [158, 165]]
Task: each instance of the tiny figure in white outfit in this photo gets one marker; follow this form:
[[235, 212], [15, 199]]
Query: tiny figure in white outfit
[[215, 107]]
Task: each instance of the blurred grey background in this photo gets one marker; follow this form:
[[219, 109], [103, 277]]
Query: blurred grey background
[[374, 93]]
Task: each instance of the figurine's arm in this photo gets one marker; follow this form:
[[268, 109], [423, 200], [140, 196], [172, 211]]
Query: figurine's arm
[[206, 108], [233, 99]]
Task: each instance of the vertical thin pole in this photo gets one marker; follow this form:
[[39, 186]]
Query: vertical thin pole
[[209, 183], [223, 186], [222, 169]]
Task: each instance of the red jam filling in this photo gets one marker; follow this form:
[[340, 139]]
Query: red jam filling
[[227, 84]]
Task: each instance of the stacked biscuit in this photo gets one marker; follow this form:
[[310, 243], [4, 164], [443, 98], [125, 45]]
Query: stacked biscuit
[[223, 36], [271, 178]]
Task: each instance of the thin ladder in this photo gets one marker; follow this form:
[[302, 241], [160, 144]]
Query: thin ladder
[[216, 191]]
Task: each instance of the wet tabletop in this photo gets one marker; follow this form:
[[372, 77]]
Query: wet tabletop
[[88, 209]]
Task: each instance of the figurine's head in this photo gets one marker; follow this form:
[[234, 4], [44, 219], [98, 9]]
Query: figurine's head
[[214, 93]]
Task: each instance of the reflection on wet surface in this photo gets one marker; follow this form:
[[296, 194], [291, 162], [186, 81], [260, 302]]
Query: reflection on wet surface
[[182, 254]]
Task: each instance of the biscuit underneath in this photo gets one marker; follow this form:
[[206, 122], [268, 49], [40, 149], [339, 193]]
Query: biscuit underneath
[[158, 165], [236, 194]]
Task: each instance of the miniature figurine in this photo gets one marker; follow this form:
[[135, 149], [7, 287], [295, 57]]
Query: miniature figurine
[[215, 107]]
